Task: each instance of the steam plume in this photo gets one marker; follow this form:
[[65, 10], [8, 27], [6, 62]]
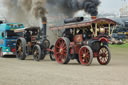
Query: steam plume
[[22, 11], [39, 8]]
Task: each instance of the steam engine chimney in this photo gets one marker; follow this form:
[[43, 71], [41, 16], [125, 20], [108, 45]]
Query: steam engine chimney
[[93, 17], [45, 43], [44, 27]]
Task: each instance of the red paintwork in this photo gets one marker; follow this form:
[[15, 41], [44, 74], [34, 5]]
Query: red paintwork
[[93, 17], [75, 46], [60, 51], [71, 50], [84, 55], [50, 50], [95, 54], [103, 39], [33, 38], [13, 49]]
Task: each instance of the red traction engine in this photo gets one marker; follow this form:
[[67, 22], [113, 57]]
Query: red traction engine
[[84, 41]]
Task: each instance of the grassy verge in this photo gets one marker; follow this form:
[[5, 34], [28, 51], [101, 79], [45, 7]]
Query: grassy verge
[[119, 46]]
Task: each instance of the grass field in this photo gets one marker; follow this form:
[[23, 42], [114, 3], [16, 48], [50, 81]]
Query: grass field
[[119, 46]]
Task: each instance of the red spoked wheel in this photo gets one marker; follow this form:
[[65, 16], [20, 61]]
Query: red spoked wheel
[[104, 55], [62, 50], [85, 55]]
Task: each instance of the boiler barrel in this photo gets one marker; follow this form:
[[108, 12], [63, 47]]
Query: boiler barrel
[[71, 20]]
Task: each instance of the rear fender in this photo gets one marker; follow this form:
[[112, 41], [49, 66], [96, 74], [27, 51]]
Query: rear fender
[[103, 39]]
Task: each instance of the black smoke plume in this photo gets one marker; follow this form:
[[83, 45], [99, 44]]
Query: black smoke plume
[[69, 7]]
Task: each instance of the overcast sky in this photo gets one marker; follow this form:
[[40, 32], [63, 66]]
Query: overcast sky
[[111, 5]]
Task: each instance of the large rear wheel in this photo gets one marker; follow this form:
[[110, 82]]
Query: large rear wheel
[[85, 55], [62, 50], [104, 55], [21, 49]]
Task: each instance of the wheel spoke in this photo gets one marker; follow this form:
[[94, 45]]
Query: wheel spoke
[[65, 54], [84, 50], [87, 53], [62, 44], [57, 46], [59, 42], [18, 43], [65, 51], [57, 52], [104, 60]]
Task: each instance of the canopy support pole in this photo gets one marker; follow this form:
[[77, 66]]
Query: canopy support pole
[[96, 29], [109, 29], [112, 31]]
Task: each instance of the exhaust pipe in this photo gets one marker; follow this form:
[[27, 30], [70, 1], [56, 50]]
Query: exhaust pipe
[[44, 42], [44, 27], [93, 17]]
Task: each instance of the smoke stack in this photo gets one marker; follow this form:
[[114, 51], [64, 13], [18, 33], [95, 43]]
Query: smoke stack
[[93, 17], [44, 27]]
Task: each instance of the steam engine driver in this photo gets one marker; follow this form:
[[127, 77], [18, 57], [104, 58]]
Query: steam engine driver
[[67, 33], [87, 34]]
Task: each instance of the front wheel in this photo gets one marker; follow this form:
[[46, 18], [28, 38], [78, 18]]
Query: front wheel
[[104, 55], [85, 55], [37, 53], [52, 57]]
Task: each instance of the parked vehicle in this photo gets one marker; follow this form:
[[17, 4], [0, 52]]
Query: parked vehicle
[[8, 37]]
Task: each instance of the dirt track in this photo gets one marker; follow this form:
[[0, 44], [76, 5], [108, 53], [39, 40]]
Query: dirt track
[[29, 72]]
